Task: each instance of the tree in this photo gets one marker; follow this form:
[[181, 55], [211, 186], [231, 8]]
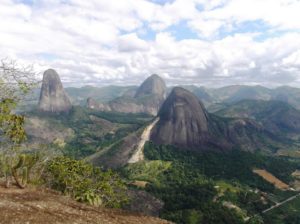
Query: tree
[[256, 220], [15, 84]]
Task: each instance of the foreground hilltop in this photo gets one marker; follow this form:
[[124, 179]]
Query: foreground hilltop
[[45, 206]]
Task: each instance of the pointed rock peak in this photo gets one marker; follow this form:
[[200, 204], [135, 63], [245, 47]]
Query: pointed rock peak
[[152, 85], [91, 103], [154, 76], [178, 91], [53, 97], [183, 120], [51, 73], [185, 101]]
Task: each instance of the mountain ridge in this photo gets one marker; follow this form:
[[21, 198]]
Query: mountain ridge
[[147, 99], [184, 122]]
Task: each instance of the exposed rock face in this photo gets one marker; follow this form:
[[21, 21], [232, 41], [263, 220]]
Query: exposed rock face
[[53, 97], [152, 85], [93, 104], [147, 99], [183, 120], [118, 155], [37, 205], [185, 123]]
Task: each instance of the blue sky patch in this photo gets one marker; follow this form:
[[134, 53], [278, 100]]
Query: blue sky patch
[[47, 56], [26, 2], [181, 31], [161, 2], [257, 26]]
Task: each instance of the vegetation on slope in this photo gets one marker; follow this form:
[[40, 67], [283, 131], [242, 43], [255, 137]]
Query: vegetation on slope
[[276, 116], [286, 214], [85, 183], [211, 187], [92, 131], [75, 178]]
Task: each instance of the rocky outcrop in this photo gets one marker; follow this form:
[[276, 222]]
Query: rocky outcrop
[[183, 120], [118, 154], [42, 205], [53, 97], [94, 105], [185, 123], [152, 85], [147, 99]]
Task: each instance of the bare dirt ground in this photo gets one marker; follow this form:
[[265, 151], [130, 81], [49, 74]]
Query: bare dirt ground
[[39, 205], [271, 179], [139, 154]]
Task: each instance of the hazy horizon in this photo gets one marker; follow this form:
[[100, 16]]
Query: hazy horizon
[[101, 85]]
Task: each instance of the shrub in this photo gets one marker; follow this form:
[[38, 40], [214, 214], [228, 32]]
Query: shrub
[[86, 183]]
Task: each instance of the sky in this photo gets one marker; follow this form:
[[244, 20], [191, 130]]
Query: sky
[[208, 43]]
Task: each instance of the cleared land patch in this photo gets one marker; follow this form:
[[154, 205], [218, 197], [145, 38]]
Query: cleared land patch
[[271, 179]]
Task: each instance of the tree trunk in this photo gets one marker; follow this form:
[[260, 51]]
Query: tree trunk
[[7, 181], [19, 183]]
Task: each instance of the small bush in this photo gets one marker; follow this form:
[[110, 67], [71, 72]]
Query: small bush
[[86, 183]]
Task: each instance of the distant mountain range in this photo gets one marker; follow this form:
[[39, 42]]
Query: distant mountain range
[[250, 118], [147, 99], [256, 121], [214, 99], [175, 146], [277, 116], [218, 98]]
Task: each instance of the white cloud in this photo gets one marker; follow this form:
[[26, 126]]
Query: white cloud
[[279, 14], [101, 41], [131, 42]]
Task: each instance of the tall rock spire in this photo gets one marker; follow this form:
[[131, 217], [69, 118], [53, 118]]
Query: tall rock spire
[[53, 97]]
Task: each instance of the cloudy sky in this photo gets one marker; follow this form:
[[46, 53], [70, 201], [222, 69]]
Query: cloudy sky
[[201, 42]]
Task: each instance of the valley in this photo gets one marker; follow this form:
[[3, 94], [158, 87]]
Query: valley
[[150, 111], [180, 162]]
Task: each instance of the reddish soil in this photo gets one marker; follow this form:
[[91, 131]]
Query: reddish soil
[[271, 179], [38, 205]]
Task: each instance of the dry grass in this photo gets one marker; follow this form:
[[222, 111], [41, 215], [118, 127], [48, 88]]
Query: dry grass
[[296, 183], [296, 174], [139, 183], [271, 179]]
